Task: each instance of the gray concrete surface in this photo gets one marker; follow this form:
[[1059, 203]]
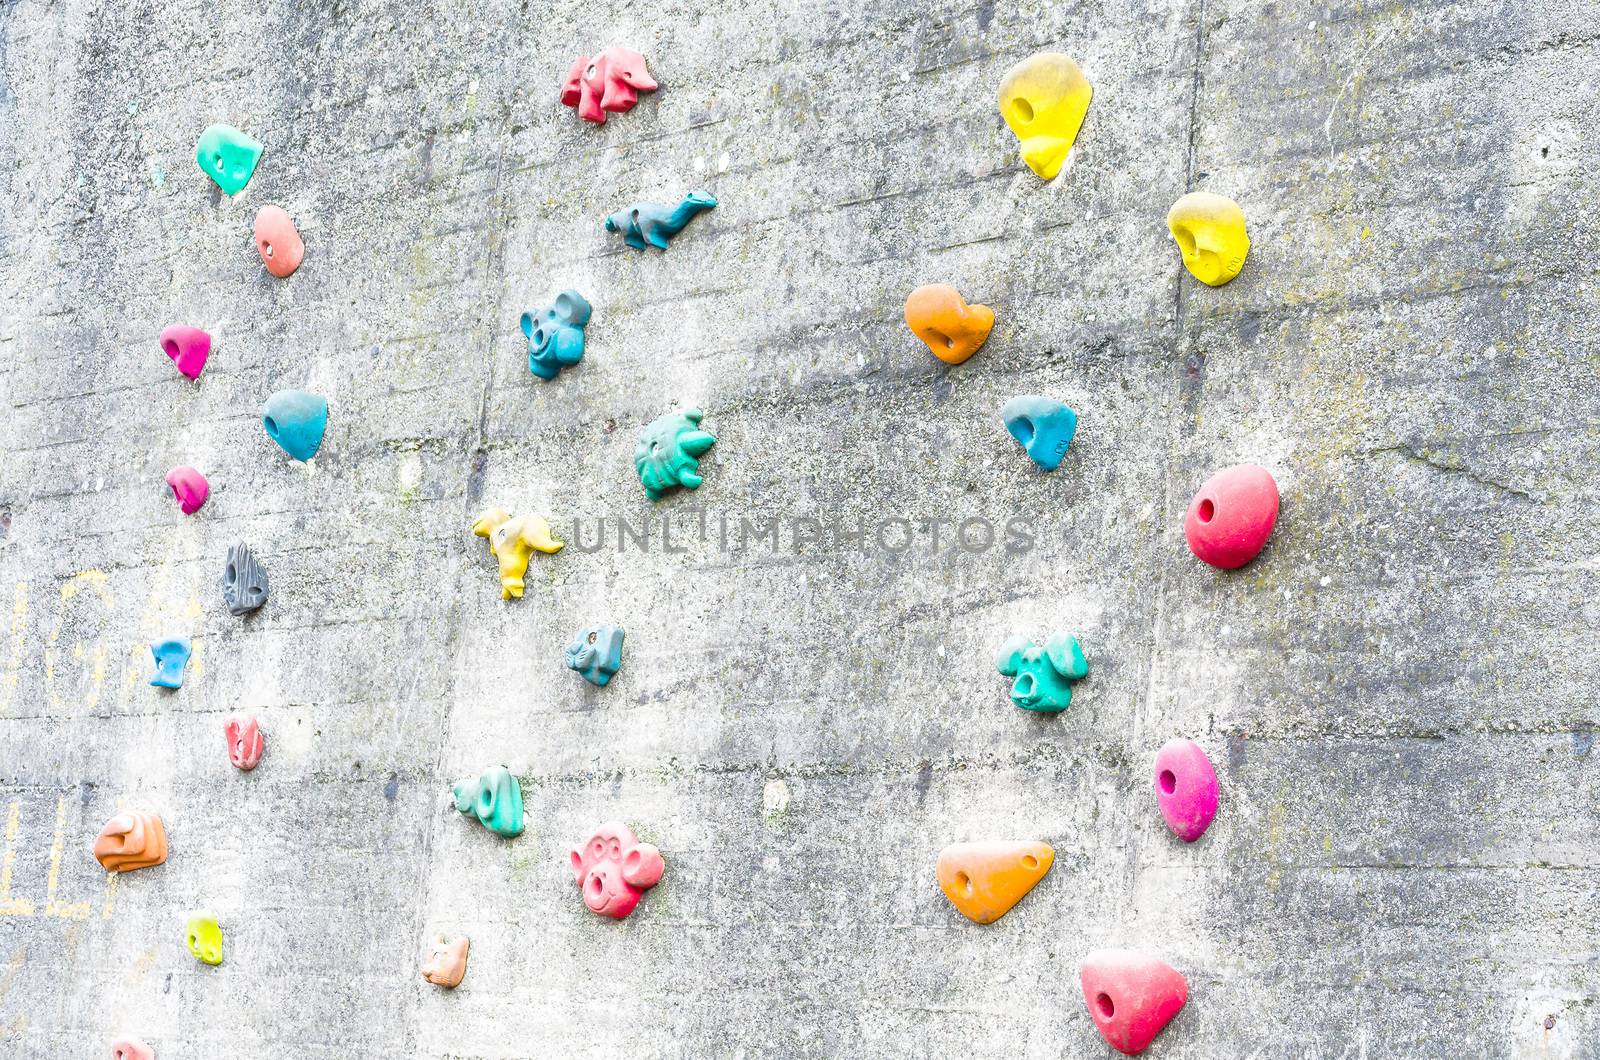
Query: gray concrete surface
[[1399, 695]]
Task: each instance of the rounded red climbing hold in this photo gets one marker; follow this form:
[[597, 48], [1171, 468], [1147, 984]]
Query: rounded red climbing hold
[[188, 347], [1186, 788], [278, 241], [1131, 996], [1232, 515]]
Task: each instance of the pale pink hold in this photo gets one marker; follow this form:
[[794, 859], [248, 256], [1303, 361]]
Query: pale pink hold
[[131, 1049], [189, 487], [246, 741], [188, 347], [1186, 788]]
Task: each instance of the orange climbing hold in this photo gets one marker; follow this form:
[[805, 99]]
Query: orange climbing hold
[[131, 841], [984, 880], [953, 330]]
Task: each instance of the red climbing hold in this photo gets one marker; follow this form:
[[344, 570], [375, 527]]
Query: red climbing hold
[[1232, 515], [1131, 996], [188, 347]]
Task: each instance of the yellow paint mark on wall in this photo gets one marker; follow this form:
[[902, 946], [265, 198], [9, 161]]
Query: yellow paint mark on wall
[[10, 906], [95, 579], [52, 907], [111, 895]]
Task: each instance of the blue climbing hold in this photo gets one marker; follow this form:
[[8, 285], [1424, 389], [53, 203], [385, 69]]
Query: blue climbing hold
[[555, 334], [295, 420], [171, 657], [1042, 425], [596, 653], [645, 222]]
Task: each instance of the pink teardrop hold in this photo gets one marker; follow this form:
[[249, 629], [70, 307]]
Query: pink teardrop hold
[[1186, 788], [188, 347]]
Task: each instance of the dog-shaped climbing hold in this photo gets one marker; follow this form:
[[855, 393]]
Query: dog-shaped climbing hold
[[555, 334], [647, 223], [1043, 676], [513, 541], [610, 81], [447, 961]]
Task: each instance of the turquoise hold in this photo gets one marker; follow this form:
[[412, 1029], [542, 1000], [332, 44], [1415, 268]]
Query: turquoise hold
[[295, 420], [646, 223], [1042, 676], [227, 156], [495, 798], [171, 657], [596, 653], [1043, 426], [555, 334], [669, 451]]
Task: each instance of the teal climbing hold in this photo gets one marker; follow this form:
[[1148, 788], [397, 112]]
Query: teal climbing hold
[[227, 156], [646, 223], [495, 798], [1042, 426], [296, 420], [1043, 676], [555, 334], [669, 451]]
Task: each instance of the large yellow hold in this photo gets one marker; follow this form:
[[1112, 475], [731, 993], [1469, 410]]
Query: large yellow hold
[[1043, 99], [984, 880], [1210, 232]]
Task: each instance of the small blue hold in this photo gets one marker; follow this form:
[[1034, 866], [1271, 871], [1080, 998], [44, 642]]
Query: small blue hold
[[1043, 426], [645, 222], [171, 657], [555, 334], [295, 420], [596, 653]]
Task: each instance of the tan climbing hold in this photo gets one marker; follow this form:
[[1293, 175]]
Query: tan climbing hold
[[984, 880]]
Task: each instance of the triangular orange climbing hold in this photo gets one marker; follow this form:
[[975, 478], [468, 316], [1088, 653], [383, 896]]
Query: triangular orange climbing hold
[[984, 880]]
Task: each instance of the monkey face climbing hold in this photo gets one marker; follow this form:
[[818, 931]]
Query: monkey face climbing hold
[[204, 936], [613, 869], [646, 223], [189, 488], [1043, 99], [1186, 788], [171, 657], [1043, 676], [246, 741], [296, 420], [188, 347], [669, 451], [940, 317], [984, 880], [495, 798], [1131, 996], [611, 81], [131, 1049], [513, 542], [244, 581], [278, 241], [1232, 515], [1042, 426], [596, 653], [446, 962], [131, 841], [227, 156], [1210, 232], [555, 334]]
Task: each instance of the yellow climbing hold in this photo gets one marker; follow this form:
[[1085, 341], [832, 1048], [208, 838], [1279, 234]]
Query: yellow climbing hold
[[984, 880], [1210, 232], [204, 936], [513, 542], [1043, 99]]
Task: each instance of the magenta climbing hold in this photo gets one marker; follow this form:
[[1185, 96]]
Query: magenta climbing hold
[[1131, 996], [188, 347], [1232, 515], [1186, 788], [610, 81], [189, 488]]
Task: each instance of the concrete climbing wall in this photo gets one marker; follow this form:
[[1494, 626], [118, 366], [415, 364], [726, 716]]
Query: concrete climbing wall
[[1399, 694]]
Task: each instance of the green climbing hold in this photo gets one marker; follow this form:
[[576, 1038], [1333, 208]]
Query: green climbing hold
[[669, 451], [1043, 675], [227, 156], [495, 798]]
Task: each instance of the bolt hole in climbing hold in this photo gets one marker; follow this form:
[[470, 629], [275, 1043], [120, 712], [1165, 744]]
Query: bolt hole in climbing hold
[[1029, 861], [266, 248], [1169, 782], [1103, 1003], [964, 882], [1023, 109], [272, 427], [1207, 510]]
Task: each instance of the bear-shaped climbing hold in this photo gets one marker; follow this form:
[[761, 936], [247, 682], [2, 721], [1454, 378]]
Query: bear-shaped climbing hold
[[446, 962], [1131, 996], [596, 653], [1232, 515], [613, 869], [669, 451], [188, 347], [203, 933], [129, 841], [296, 420], [1209, 230], [513, 542], [189, 488], [1186, 788], [1043, 676], [645, 223], [278, 241], [1044, 99], [984, 880], [495, 798], [608, 82], [1043, 427], [555, 334], [938, 315], [227, 156], [246, 741], [171, 656]]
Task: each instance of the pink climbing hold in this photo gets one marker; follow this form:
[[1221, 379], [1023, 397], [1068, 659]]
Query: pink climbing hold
[[1232, 515], [1186, 788], [614, 869], [278, 241], [245, 740], [188, 347], [611, 81], [1131, 996], [189, 487], [131, 1049]]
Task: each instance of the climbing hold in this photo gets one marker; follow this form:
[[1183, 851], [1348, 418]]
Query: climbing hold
[[513, 542], [278, 241], [131, 841], [131, 1049], [596, 653], [246, 741], [204, 935], [1186, 788], [984, 880], [1131, 996], [645, 222], [1043, 99], [940, 317], [555, 334], [447, 962], [614, 869], [1232, 515], [495, 798], [295, 420], [244, 581], [188, 347], [611, 81], [1042, 426], [1042, 675], [669, 451], [171, 657], [227, 156], [1210, 232], [189, 488]]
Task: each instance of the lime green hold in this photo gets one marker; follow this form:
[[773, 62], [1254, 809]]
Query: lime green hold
[[495, 798], [205, 936], [227, 156]]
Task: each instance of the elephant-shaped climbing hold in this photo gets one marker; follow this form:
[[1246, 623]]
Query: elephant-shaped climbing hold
[[513, 541], [555, 334], [1043, 675], [646, 222], [596, 653], [610, 81], [669, 451], [495, 798]]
